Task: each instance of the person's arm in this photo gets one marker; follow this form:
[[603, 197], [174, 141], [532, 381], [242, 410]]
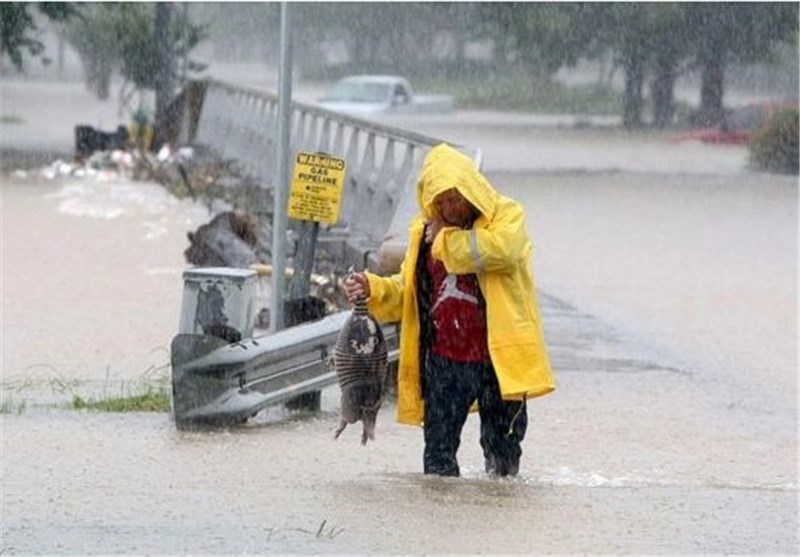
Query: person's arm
[[385, 300], [384, 295], [496, 248]]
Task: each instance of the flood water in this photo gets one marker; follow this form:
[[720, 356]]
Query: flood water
[[673, 429]]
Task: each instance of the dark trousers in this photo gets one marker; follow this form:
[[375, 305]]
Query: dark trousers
[[449, 389]]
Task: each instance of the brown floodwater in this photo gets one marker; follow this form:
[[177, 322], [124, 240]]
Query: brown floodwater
[[670, 306], [701, 266]]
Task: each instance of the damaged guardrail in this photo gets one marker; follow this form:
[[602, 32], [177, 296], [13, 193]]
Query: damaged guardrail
[[219, 383], [221, 374]]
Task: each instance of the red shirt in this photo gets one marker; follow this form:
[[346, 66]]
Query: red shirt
[[457, 314]]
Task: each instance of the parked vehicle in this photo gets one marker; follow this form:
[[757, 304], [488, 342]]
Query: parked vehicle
[[362, 95], [739, 127]]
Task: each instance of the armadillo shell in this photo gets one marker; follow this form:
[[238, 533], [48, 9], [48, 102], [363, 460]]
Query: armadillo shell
[[359, 369], [360, 350], [360, 336]]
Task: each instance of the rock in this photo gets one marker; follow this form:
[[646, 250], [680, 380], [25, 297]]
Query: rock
[[229, 240]]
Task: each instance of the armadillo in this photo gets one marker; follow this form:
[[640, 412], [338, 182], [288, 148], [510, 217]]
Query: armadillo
[[360, 362]]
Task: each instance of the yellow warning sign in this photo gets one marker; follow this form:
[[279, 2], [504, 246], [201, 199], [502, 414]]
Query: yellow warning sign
[[317, 185]]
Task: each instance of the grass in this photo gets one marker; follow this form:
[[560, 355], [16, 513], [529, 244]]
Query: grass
[[524, 94], [149, 392], [143, 398], [325, 531], [11, 406], [150, 399]]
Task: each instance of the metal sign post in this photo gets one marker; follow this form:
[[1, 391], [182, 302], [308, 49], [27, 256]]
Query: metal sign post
[[300, 285], [281, 184]]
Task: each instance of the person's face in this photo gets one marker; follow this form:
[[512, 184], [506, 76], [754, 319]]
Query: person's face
[[454, 209]]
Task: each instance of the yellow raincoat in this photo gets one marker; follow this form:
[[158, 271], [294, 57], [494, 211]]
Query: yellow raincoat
[[498, 251]]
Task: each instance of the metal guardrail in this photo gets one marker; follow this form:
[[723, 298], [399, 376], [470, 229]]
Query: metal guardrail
[[219, 383]]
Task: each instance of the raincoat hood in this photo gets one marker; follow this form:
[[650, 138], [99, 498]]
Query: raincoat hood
[[445, 168]]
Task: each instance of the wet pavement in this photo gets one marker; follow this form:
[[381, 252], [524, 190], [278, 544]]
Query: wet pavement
[[669, 305]]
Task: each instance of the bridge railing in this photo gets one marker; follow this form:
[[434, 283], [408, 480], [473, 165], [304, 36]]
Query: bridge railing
[[382, 161]]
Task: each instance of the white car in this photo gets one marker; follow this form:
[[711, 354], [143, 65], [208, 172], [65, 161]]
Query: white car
[[364, 95]]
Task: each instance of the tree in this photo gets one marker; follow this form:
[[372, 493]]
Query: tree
[[496, 21], [625, 29], [544, 36], [17, 24], [456, 18], [734, 32], [668, 49], [647, 40], [633, 58], [121, 36], [658, 38], [95, 38], [164, 74], [378, 36]]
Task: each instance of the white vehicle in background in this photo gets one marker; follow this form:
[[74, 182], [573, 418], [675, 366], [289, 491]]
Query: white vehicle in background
[[364, 95]]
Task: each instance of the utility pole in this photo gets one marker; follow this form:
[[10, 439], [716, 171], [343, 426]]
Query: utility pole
[[281, 183]]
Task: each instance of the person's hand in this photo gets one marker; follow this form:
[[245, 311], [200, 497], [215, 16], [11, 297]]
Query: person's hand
[[432, 228], [356, 286]]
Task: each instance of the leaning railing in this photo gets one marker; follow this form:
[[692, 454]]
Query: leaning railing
[[382, 161]]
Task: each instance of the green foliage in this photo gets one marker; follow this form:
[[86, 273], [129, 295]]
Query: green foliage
[[152, 399], [121, 36], [520, 93], [775, 147], [744, 31], [139, 52], [725, 32], [94, 37], [544, 36], [132, 27], [17, 24], [10, 406]]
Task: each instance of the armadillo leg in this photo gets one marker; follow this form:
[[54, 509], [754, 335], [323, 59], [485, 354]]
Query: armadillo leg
[[340, 429]]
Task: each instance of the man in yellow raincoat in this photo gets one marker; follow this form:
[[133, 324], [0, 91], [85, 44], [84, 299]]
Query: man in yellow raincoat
[[470, 326]]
